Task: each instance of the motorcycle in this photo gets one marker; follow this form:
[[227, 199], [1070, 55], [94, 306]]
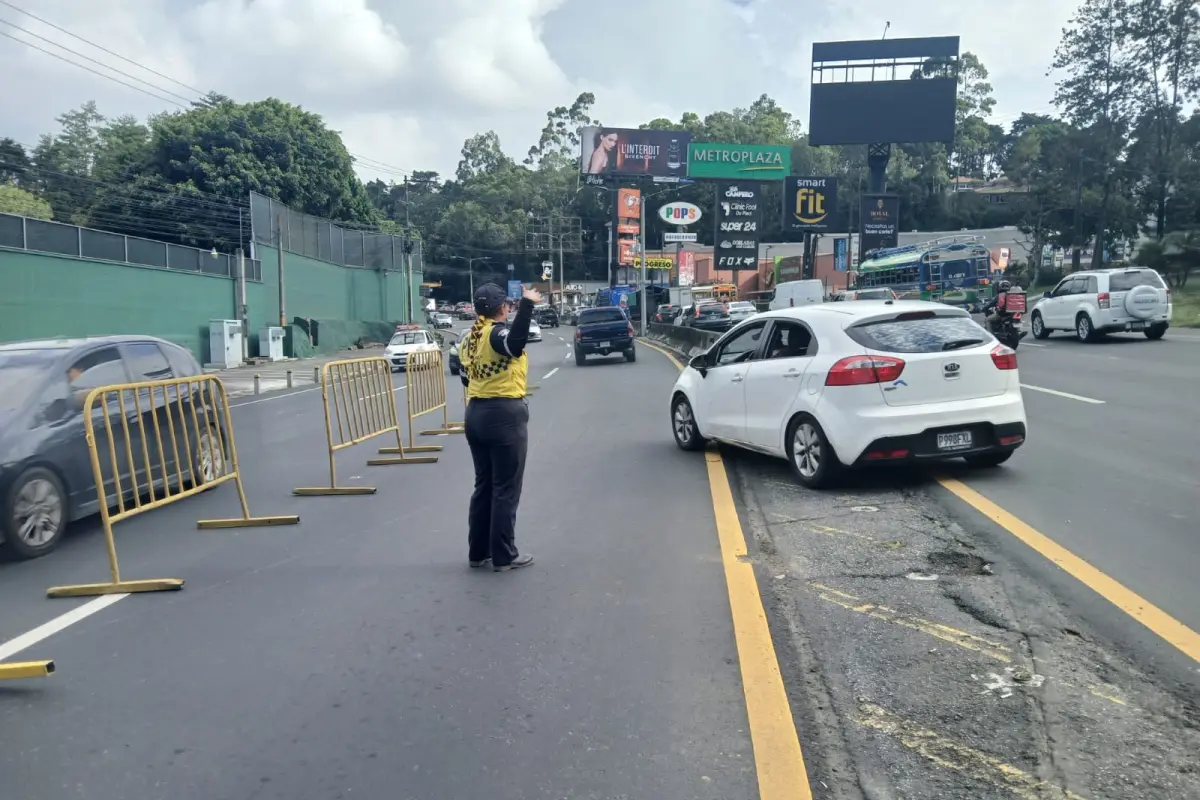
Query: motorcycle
[[1006, 327]]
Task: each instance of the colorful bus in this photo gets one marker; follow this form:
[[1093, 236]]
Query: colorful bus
[[954, 270], [725, 292]]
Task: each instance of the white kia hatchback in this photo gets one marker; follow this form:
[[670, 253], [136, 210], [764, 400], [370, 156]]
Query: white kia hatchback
[[836, 385]]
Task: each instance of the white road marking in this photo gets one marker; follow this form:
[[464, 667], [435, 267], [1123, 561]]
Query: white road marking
[[548, 374], [1067, 395], [59, 623], [1031, 344], [234, 404]]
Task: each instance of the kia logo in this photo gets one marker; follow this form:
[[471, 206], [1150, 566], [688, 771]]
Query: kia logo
[[950, 369]]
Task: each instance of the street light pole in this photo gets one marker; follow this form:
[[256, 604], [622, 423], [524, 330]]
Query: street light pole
[[645, 289]]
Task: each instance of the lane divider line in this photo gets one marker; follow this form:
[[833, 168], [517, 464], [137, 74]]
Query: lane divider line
[[61, 622], [1067, 395], [778, 758], [548, 374], [1159, 622]]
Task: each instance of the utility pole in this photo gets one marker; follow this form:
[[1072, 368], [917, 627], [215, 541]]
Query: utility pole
[[282, 293], [645, 288], [241, 309], [1077, 236], [408, 248]]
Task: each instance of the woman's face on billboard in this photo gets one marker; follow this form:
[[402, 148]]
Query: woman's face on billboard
[[608, 141]]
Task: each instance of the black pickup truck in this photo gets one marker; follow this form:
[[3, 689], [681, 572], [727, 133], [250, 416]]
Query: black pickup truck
[[603, 331]]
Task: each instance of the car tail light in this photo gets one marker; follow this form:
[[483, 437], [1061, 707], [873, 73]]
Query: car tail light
[[1005, 441], [578, 334], [630, 331], [860, 370], [1004, 357], [1102, 300]]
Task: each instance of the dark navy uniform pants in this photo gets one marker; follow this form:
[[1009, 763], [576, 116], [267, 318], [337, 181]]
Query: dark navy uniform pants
[[497, 431]]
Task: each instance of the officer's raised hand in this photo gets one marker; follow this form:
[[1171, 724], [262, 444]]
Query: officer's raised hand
[[532, 294]]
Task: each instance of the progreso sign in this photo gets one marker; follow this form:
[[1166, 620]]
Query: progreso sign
[[759, 162]]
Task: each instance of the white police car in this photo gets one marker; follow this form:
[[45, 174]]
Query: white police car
[[407, 339]]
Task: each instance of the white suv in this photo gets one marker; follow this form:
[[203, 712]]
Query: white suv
[[1102, 301]]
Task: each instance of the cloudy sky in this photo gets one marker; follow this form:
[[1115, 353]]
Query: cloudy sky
[[406, 81]]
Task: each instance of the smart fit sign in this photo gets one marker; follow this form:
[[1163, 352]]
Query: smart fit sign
[[758, 162]]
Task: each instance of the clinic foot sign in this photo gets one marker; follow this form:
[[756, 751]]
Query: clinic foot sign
[[760, 162]]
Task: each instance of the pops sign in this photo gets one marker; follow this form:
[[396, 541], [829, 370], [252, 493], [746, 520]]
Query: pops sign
[[679, 213]]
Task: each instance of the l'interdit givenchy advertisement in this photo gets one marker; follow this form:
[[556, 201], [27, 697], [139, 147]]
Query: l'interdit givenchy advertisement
[[632, 152], [738, 221]]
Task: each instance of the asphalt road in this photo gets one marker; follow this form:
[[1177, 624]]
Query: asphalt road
[[1116, 481], [356, 655]]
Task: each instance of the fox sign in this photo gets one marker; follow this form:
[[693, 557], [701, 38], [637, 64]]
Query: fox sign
[[679, 213]]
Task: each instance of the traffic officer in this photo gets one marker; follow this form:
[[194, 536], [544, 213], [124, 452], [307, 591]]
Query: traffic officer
[[494, 368]]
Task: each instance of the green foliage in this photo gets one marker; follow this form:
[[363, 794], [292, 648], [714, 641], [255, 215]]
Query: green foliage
[[15, 200]]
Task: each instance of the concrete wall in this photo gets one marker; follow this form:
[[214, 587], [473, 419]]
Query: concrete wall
[[46, 296]]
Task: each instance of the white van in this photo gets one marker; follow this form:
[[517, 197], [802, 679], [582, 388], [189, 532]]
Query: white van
[[798, 293]]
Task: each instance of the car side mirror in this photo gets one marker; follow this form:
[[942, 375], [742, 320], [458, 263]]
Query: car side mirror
[[1045, 295], [700, 364]]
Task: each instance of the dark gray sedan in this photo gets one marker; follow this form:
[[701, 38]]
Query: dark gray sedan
[[46, 478]]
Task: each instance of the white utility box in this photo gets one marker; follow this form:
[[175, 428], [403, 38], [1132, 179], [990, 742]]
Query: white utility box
[[225, 343], [270, 344]]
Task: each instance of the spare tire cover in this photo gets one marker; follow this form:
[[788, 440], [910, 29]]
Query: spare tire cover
[[1143, 302]]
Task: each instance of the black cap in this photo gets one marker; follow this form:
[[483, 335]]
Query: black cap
[[489, 299]]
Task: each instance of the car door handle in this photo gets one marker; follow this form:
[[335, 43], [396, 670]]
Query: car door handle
[[793, 374], [736, 379]]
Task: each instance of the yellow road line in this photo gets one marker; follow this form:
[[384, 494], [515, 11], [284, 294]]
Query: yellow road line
[[778, 759], [1186, 640]]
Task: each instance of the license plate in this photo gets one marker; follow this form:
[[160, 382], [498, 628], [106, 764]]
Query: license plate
[[603, 344], [954, 441], [1137, 326]]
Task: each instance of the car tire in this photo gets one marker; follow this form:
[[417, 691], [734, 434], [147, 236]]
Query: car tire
[[209, 463], [1040, 331], [631, 354], [580, 359], [1085, 331], [988, 460], [684, 427], [1156, 332], [37, 495], [811, 456]]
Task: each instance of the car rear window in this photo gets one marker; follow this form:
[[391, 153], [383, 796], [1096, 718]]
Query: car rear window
[[873, 294], [1124, 281], [714, 310], [920, 335], [601, 315]]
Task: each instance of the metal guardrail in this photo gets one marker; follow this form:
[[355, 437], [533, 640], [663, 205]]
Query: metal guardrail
[[172, 439], [357, 395], [685, 337], [427, 392]]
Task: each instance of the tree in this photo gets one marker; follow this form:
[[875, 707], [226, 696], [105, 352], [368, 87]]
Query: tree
[[15, 200], [64, 163], [1097, 93], [559, 142], [14, 162]]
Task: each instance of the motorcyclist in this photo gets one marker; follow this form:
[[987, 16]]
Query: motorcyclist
[[1003, 305]]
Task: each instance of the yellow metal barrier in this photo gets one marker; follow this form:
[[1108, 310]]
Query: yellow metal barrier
[[171, 439], [26, 669], [360, 404], [427, 391]]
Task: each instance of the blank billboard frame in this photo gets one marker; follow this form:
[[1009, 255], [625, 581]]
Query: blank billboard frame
[[853, 111]]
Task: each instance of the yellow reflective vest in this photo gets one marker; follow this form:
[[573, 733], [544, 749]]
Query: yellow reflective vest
[[492, 373]]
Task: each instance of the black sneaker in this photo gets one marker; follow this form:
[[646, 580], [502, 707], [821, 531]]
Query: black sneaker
[[487, 562], [517, 563]]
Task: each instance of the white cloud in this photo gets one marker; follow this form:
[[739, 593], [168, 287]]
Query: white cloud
[[406, 81]]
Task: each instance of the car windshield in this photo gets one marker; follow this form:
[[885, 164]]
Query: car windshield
[[928, 334], [1124, 281], [592, 316], [414, 337], [19, 377]]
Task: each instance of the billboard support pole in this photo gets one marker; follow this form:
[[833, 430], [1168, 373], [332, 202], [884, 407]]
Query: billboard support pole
[[878, 156], [645, 289]]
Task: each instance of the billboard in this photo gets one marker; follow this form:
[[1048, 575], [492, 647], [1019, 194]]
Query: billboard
[[879, 222], [757, 162], [679, 213], [626, 250], [809, 204], [841, 254], [629, 204], [687, 268], [739, 213], [629, 228], [515, 290], [632, 152], [883, 91]]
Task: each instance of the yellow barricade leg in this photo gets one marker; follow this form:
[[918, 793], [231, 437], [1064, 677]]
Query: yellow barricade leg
[[359, 405], [198, 453], [26, 669]]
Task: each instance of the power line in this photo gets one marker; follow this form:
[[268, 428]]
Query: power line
[[99, 47]]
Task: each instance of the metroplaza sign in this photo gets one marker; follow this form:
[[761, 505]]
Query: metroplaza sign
[[758, 162]]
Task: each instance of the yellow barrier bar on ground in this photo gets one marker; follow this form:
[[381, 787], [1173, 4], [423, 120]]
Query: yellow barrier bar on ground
[[360, 404], [169, 440], [427, 392], [26, 669]]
